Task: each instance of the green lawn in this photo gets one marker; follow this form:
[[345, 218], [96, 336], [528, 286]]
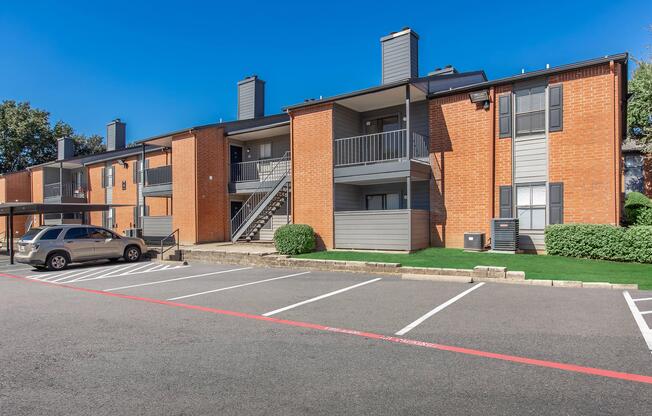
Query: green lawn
[[535, 267]]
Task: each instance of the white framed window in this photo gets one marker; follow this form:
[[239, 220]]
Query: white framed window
[[265, 150], [531, 201], [530, 111]]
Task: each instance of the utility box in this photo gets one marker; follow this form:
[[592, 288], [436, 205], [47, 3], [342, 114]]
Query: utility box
[[134, 232], [504, 234], [473, 241]]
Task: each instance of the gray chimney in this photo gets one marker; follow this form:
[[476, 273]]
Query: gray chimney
[[65, 148], [116, 135], [400, 55], [251, 98]]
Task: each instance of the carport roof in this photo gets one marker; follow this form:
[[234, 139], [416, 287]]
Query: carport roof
[[30, 208]]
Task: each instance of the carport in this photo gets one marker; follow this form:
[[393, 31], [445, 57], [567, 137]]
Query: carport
[[9, 209]]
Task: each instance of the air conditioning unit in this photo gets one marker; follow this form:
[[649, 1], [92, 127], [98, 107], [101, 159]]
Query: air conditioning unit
[[134, 232], [473, 241], [504, 234]]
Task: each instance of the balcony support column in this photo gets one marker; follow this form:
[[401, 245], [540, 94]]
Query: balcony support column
[[60, 181], [408, 150]]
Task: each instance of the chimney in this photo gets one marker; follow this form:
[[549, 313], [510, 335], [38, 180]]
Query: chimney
[[65, 148], [447, 70], [116, 135], [251, 98], [400, 56]]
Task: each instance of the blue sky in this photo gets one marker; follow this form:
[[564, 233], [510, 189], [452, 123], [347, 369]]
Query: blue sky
[[163, 66]]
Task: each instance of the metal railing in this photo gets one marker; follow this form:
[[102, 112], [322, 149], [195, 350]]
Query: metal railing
[[254, 170], [158, 176], [175, 242], [276, 173], [55, 190], [379, 147]]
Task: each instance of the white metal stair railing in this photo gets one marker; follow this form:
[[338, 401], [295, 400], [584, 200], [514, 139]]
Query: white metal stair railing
[[268, 197], [28, 223]]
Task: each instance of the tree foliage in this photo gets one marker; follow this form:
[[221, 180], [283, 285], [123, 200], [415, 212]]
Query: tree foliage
[[639, 109], [28, 138]]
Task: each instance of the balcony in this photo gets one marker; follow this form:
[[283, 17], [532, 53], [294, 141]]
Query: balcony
[[158, 181], [381, 156], [64, 193], [246, 177]]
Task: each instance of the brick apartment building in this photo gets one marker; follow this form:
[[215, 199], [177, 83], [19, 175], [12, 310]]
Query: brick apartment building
[[414, 162]]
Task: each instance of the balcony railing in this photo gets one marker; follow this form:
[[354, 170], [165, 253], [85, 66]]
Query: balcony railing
[[69, 189], [158, 176], [379, 147], [268, 169]]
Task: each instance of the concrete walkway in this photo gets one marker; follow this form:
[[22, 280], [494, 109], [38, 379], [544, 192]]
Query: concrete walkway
[[243, 248]]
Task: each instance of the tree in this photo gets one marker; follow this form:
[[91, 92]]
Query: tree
[[639, 108], [28, 138]]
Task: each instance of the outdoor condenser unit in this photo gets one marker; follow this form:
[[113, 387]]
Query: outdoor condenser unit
[[134, 232], [474, 241], [504, 234]]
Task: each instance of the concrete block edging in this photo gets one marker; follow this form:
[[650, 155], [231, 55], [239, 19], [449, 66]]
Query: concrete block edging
[[480, 273]]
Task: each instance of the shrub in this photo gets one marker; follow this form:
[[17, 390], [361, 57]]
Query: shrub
[[599, 241], [638, 209], [294, 239]]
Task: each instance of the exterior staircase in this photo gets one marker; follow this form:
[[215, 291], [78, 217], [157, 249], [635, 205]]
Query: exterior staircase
[[259, 208]]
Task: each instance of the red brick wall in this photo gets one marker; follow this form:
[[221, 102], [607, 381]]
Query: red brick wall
[[36, 176], [184, 188], [585, 156], [96, 194], [15, 187], [312, 171]]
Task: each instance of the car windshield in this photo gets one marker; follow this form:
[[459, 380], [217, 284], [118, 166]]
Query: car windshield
[[29, 235]]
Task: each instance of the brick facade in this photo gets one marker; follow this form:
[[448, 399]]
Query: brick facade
[[585, 155], [15, 187], [312, 171]]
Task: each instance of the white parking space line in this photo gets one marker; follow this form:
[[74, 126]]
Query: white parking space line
[[177, 278], [155, 268], [646, 312], [438, 309], [240, 285], [50, 276], [315, 299], [640, 321], [641, 299], [111, 273]]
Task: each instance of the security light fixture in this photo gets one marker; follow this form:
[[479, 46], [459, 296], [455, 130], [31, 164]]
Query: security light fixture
[[479, 96]]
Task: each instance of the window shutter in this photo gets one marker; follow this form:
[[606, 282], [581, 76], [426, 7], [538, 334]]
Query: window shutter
[[112, 176], [146, 210], [136, 166], [104, 219], [555, 105], [556, 203], [505, 115], [506, 202], [103, 177]]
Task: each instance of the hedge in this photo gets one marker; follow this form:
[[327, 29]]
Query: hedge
[[294, 239], [638, 209], [600, 241]]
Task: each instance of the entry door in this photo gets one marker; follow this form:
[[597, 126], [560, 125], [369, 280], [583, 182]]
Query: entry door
[[235, 207], [235, 158]]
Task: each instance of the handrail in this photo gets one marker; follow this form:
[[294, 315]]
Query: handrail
[[167, 237], [260, 194], [250, 170], [161, 175], [53, 190], [380, 147]]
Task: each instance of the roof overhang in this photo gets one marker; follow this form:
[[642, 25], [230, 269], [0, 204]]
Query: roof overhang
[[31, 208], [261, 132], [383, 98]]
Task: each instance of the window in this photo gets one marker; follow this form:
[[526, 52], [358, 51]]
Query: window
[[51, 234], [383, 201], [29, 235], [530, 110], [265, 150], [76, 233], [383, 124], [531, 206], [634, 173], [99, 234]]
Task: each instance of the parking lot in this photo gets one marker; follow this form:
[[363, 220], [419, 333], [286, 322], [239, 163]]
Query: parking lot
[[164, 338]]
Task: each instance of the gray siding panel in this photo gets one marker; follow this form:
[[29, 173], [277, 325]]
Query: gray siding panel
[[379, 230], [346, 122], [267, 232], [399, 58], [157, 226], [530, 159]]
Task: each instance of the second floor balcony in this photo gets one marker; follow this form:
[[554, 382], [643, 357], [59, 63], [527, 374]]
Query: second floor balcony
[[158, 181], [247, 176], [386, 154], [58, 192]]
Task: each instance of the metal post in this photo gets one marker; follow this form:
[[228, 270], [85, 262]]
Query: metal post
[[408, 150], [409, 193], [60, 181], [10, 245]]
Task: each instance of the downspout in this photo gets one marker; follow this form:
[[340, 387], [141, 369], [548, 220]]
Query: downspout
[[492, 155], [290, 208], [616, 152]]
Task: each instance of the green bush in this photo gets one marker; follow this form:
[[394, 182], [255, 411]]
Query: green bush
[[638, 209], [600, 241], [294, 239]]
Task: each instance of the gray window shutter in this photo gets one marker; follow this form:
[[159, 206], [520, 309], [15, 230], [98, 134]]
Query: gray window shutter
[[104, 219], [103, 177], [555, 104], [112, 176], [556, 203], [146, 210], [505, 115], [506, 202], [136, 166]]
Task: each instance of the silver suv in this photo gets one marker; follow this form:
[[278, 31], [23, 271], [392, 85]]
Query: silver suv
[[57, 246]]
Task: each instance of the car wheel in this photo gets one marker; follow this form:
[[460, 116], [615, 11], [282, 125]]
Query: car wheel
[[57, 261], [132, 254]]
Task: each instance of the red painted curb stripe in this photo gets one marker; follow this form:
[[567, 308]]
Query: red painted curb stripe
[[467, 351]]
